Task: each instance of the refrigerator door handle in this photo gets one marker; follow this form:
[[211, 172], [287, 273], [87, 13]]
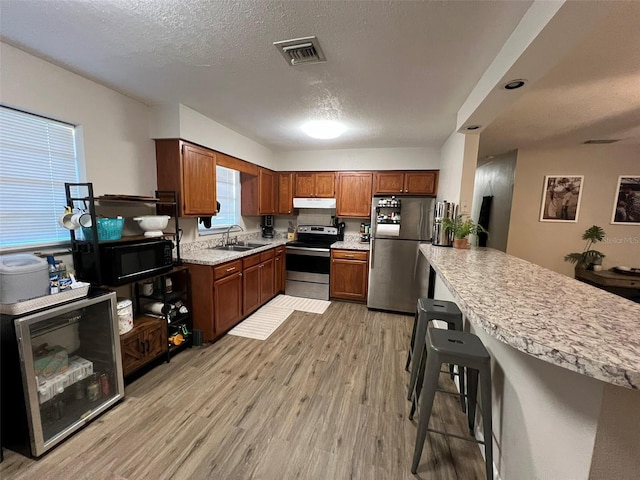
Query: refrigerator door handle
[[373, 252]]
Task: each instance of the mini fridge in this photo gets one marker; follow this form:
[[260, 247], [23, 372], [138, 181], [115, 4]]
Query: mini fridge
[[61, 368]]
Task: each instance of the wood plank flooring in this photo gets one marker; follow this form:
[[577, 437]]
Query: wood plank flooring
[[324, 397]]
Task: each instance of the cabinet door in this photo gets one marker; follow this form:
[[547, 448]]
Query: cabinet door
[[251, 289], [227, 302], [305, 184], [155, 339], [285, 193], [388, 182], [266, 192], [354, 194], [420, 183], [202, 300], [199, 180], [280, 273], [267, 281], [349, 279], [132, 351], [325, 185]]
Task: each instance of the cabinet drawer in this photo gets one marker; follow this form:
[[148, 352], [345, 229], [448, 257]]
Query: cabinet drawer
[[349, 254], [250, 261], [279, 250], [227, 269], [267, 255]]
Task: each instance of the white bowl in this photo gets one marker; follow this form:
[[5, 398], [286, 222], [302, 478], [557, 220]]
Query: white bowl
[[153, 225]]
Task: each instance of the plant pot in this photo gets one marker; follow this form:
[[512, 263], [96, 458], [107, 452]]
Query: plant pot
[[461, 242]]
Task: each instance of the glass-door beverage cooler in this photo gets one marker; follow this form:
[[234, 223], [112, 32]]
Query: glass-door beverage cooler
[[61, 368]]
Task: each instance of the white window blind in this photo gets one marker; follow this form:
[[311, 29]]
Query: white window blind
[[37, 157], [228, 194]]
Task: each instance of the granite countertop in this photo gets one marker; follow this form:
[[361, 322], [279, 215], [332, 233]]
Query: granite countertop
[[201, 252], [545, 314], [351, 245]]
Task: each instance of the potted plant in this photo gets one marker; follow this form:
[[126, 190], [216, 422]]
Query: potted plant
[[588, 257], [461, 226]]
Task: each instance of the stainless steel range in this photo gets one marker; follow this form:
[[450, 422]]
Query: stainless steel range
[[309, 262]]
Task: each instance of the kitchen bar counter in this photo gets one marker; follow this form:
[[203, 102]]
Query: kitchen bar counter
[[350, 245], [565, 361], [543, 313]]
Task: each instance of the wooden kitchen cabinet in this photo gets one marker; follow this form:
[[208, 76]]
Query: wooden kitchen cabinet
[[251, 284], [227, 302], [285, 193], [189, 170], [349, 275], [405, 183], [267, 281], [280, 267], [258, 193], [354, 194], [144, 343], [315, 184]]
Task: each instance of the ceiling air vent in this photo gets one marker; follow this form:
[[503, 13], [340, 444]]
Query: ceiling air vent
[[601, 142], [300, 51]]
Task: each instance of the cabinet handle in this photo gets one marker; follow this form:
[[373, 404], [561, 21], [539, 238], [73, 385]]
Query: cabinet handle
[[231, 269], [148, 346], [141, 347], [240, 274]]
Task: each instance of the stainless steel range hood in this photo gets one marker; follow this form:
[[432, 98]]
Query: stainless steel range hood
[[314, 203]]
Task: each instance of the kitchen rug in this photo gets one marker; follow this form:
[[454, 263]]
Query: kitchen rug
[[262, 323], [302, 304]]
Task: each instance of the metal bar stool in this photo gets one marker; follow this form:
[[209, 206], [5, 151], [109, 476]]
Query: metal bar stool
[[428, 309], [462, 349]]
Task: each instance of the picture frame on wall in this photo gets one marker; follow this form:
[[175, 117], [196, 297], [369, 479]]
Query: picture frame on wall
[[626, 203], [561, 197]]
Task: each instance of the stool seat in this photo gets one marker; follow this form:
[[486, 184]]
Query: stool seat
[[428, 309], [466, 350]]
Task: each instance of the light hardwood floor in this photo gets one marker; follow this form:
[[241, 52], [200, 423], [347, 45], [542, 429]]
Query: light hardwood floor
[[323, 398]]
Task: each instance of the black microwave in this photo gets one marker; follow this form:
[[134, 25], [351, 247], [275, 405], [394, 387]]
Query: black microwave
[[124, 261]]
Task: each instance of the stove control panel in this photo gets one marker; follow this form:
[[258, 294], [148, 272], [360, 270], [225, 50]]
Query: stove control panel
[[317, 230]]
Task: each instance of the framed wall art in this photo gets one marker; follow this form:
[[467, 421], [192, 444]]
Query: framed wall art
[[626, 203], [561, 198]]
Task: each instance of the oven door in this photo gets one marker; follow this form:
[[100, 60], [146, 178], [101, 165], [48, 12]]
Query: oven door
[[308, 272]]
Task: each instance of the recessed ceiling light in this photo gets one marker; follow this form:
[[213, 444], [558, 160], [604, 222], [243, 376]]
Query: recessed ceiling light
[[601, 141], [324, 129], [472, 127], [513, 84]]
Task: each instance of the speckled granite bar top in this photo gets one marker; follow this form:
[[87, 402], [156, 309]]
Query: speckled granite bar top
[[543, 313], [201, 252], [347, 245]]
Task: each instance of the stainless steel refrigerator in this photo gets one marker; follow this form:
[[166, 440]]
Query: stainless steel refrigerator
[[397, 270]]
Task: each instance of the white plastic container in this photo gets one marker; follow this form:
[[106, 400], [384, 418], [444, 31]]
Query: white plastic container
[[23, 276], [125, 315]]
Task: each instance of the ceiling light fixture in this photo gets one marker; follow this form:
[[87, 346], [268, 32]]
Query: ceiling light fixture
[[601, 141], [514, 84], [472, 127], [324, 129]]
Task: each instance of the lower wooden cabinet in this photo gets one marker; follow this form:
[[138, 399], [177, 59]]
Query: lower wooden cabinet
[[223, 295], [144, 343], [280, 266], [349, 275]]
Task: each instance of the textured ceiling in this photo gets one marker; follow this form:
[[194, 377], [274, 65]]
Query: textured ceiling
[[397, 71], [593, 93]]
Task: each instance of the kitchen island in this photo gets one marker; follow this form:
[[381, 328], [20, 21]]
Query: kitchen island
[[566, 364]]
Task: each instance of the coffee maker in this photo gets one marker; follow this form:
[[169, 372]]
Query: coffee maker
[[267, 226]]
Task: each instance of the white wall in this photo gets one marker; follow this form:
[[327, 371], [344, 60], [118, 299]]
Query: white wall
[[119, 154], [179, 121], [458, 157], [546, 243], [359, 159]]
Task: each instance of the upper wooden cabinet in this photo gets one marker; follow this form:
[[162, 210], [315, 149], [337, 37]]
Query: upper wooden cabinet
[[285, 193], [315, 184], [190, 170], [258, 193], [353, 197], [406, 183]]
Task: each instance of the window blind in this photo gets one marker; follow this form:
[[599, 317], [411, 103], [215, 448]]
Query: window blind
[[228, 194], [37, 157]]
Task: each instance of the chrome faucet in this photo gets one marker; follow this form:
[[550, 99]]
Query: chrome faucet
[[225, 240]]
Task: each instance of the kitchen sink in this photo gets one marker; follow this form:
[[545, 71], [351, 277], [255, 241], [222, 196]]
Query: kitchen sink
[[235, 248]]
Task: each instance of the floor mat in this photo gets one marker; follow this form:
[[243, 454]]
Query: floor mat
[[302, 304], [262, 323]]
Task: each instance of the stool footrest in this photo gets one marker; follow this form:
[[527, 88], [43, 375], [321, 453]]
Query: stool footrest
[[472, 440]]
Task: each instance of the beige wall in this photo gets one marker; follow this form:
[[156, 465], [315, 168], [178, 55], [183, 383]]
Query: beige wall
[[118, 152], [546, 243]]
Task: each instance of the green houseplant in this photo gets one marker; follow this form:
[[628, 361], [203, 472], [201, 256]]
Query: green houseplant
[[588, 257], [461, 226]]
